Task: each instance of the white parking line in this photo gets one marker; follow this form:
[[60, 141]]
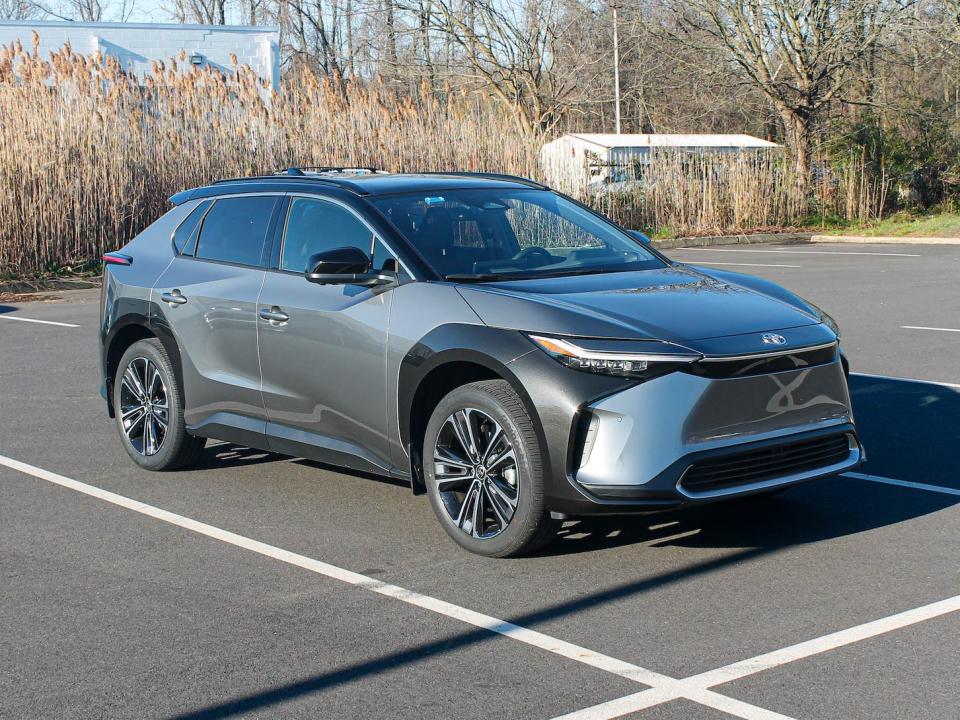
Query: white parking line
[[691, 686], [666, 687], [799, 252], [706, 262], [501, 627], [663, 688], [903, 483], [921, 327], [835, 640], [909, 380], [41, 322]]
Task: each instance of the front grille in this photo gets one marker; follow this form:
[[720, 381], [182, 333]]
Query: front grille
[[767, 463], [761, 364]]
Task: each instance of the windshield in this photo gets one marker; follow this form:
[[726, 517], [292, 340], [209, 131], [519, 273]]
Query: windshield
[[506, 234]]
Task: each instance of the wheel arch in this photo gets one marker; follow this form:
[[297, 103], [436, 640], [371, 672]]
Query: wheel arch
[[447, 358], [124, 333]]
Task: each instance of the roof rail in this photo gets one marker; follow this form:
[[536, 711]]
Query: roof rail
[[319, 169], [296, 177], [490, 176]]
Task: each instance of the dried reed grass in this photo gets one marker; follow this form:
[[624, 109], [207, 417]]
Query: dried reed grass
[[89, 155]]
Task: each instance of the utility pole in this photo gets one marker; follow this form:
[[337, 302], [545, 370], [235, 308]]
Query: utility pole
[[616, 62]]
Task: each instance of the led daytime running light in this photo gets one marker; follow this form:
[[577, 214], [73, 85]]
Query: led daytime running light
[[610, 363]]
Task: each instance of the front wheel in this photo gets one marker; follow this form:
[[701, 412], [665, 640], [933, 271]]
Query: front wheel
[[484, 471]]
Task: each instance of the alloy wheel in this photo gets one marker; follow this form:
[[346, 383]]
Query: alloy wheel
[[144, 406], [476, 471]]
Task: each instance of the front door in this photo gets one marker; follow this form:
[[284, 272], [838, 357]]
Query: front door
[[208, 299], [323, 347]]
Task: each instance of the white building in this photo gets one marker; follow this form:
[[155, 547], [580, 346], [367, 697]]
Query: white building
[[137, 45], [578, 160]]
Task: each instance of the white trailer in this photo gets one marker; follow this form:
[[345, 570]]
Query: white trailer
[[136, 46], [576, 162]]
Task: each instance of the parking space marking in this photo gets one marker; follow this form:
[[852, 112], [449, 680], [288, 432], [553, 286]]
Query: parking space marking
[[903, 483], [825, 643], [921, 327], [909, 380], [645, 699], [41, 322], [708, 262], [692, 686], [486, 622], [663, 687], [800, 252]]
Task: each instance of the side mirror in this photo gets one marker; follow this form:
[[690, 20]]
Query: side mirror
[[344, 266], [637, 235]]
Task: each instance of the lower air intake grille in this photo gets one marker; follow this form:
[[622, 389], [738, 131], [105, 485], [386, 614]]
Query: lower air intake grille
[[768, 463]]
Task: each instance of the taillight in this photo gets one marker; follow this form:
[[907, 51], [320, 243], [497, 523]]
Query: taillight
[[115, 258]]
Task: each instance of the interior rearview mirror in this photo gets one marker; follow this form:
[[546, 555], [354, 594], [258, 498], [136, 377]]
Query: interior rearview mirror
[[345, 266]]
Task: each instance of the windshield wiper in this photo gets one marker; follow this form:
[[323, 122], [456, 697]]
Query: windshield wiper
[[560, 272], [568, 272], [481, 277]]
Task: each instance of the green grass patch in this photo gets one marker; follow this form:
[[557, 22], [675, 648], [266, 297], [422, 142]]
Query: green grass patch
[[906, 224]]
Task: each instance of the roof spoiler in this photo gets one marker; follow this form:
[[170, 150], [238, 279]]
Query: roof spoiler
[[180, 197]]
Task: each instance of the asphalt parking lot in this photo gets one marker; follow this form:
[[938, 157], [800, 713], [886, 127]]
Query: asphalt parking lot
[[262, 586]]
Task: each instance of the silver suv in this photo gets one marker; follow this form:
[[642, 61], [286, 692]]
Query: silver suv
[[506, 350]]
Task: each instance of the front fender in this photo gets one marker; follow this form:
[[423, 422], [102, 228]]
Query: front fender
[[553, 395]]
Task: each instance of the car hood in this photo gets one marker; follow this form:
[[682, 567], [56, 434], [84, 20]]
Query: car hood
[[678, 303]]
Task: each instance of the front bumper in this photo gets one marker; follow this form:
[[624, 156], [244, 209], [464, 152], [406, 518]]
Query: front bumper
[[792, 466], [683, 439]]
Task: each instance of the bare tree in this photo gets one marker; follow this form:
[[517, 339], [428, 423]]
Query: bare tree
[[82, 10], [796, 52], [17, 9], [513, 49], [205, 12]]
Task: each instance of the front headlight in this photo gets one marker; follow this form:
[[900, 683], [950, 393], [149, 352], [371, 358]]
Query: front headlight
[[638, 359], [826, 319]]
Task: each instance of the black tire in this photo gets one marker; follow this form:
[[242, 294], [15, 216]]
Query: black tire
[[530, 527], [172, 447]]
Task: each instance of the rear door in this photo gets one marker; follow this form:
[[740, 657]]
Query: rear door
[[208, 298], [324, 359]]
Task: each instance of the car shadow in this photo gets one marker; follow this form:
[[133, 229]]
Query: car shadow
[[898, 418], [909, 432], [218, 455], [385, 479]]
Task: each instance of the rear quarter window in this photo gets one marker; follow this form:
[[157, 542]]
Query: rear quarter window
[[185, 236], [235, 230]]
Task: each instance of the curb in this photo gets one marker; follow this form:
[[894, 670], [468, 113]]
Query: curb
[[23, 287], [713, 240], [885, 240]]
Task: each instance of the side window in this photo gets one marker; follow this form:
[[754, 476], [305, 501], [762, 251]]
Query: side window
[[316, 225], [383, 259], [184, 237], [235, 230]]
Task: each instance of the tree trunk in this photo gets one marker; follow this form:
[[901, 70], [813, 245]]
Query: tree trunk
[[425, 11], [798, 124], [391, 36]]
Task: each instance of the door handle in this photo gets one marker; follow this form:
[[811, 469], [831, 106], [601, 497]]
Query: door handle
[[274, 314], [173, 298]]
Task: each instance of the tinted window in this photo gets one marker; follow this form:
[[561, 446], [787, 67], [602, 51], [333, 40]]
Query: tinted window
[[316, 225], [235, 230], [184, 238], [383, 259], [512, 233]]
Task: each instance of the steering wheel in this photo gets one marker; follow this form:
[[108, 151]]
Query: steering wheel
[[533, 252]]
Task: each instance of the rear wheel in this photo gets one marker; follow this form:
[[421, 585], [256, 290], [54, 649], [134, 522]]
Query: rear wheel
[[149, 413], [484, 471]]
